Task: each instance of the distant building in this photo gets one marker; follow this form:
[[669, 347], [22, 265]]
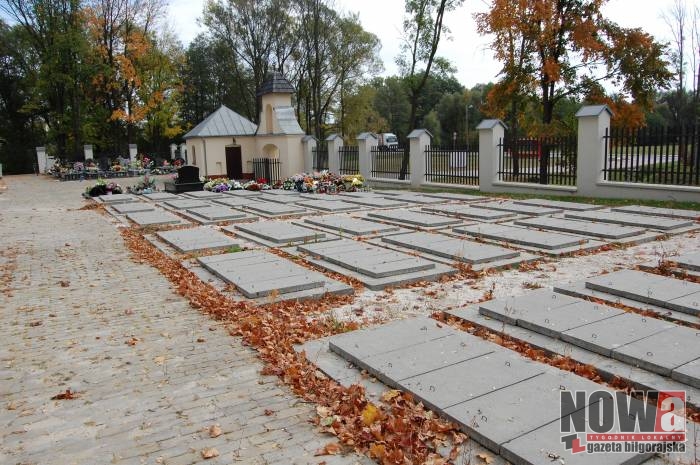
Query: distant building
[[225, 143]]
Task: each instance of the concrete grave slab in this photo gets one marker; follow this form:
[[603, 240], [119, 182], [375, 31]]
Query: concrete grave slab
[[274, 209], [132, 207], [117, 198], [495, 396], [235, 202], [468, 211], [579, 289], [411, 218], [346, 225], [445, 387], [688, 373], [503, 415], [607, 367], [451, 249], [552, 243], [332, 206], [456, 196], [197, 239], [161, 196], [659, 211], [376, 201], [242, 193], [553, 322], [539, 446], [559, 205], [662, 352], [356, 346], [277, 233], [362, 194], [155, 218], [217, 213], [422, 358], [510, 206], [629, 219], [203, 195], [510, 309], [284, 197], [186, 204], [259, 274], [689, 261], [280, 192], [376, 267], [675, 294], [369, 261], [392, 191], [603, 337], [600, 230], [415, 198]]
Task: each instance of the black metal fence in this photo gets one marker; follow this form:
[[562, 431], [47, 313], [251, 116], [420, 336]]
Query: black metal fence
[[668, 156], [544, 160], [386, 162], [452, 165], [267, 168], [320, 157], [349, 159]]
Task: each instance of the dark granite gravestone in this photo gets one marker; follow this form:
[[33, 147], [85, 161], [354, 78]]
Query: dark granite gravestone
[[187, 181], [103, 163]]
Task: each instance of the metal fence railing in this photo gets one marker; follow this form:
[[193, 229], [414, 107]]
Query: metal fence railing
[[349, 159], [452, 165], [267, 168], [320, 157], [386, 162], [544, 160], [668, 156]]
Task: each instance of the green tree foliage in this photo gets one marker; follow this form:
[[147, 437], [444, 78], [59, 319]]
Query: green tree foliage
[[21, 129], [56, 38], [209, 83]]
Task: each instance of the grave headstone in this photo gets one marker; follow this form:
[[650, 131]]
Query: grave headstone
[[187, 180]]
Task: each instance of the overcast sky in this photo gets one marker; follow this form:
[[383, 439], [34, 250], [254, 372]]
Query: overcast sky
[[466, 49]]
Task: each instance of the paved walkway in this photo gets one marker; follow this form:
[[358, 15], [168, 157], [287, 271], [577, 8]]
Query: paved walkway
[[151, 375]]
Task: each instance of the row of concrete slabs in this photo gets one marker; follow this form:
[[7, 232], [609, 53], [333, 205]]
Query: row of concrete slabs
[[655, 345], [505, 402]]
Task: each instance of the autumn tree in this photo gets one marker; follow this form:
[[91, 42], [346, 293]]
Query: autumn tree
[[551, 50], [123, 51]]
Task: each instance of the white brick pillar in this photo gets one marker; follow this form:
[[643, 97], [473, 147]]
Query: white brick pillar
[[334, 142], [41, 159], [183, 153], [593, 120], [173, 151], [418, 139], [365, 142], [87, 149], [308, 146], [491, 132], [133, 151]]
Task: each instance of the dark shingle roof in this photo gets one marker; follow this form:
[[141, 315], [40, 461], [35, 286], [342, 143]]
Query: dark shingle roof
[[223, 122], [276, 83]]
